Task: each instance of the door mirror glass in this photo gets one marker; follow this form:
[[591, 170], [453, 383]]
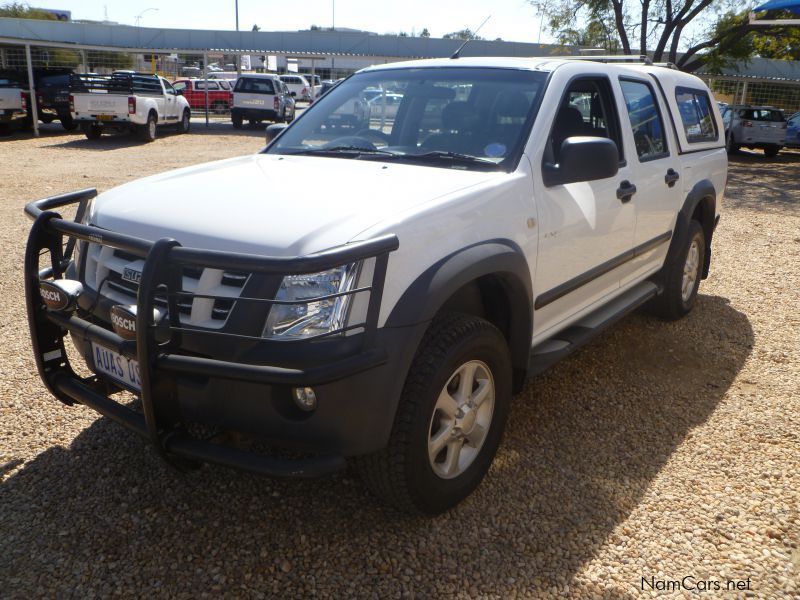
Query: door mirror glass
[[582, 158]]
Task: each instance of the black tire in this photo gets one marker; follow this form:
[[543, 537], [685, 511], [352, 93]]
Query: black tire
[[185, 122], [147, 132], [219, 107], [671, 304], [730, 145], [402, 473], [772, 151], [237, 120], [5, 129], [46, 119], [67, 122], [92, 131], [290, 116]]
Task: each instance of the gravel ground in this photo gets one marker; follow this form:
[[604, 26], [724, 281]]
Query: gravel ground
[[657, 452]]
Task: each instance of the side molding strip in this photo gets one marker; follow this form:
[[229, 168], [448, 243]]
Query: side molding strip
[[573, 284]]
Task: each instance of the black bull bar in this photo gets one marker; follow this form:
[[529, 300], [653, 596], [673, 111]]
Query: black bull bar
[[161, 274]]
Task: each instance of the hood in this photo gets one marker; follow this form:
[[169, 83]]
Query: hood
[[272, 204]]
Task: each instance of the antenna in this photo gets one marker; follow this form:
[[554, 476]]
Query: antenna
[[457, 53]]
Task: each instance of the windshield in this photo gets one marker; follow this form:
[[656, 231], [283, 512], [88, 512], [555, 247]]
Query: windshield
[[457, 117]]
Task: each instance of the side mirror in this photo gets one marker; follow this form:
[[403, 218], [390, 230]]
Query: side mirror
[[582, 159], [275, 130]]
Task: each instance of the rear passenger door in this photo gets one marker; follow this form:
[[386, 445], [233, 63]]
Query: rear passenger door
[[656, 174]]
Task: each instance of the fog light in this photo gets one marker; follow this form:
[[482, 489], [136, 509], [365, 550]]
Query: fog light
[[305, 398], [60, 294]]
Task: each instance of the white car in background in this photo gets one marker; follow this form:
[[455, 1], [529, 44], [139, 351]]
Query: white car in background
[[384, 106], [298, 86]]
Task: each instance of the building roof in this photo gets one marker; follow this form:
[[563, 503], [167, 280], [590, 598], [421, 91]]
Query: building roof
[[295, 43], [761, 68]]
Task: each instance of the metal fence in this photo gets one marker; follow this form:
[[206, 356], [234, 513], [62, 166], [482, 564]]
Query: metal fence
[[784, 95]]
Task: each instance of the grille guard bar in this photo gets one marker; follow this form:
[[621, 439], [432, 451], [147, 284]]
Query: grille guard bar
[[163, 260]]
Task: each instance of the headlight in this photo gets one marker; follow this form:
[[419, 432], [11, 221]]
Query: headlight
[[308, 315]]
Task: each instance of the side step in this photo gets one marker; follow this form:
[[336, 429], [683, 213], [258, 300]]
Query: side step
[[547, 353]]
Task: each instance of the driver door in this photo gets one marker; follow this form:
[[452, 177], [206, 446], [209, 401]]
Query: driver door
[[585, 229]]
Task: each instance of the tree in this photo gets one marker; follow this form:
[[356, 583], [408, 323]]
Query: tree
[[464, 34], [18, 10], [425, 33], [685, 32]]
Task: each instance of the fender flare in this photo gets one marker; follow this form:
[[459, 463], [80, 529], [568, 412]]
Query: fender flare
[[702, 192], [504, 261]]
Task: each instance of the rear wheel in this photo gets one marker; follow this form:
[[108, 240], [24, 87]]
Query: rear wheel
[[681, 276], [237, 120], [289, 115], [148, 131], [772, 151], [730, 144], [92, 131], [219, 107], [450, 419], [67, 122]]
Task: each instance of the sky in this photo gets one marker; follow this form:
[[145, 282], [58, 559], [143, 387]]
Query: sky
[[512, 20]]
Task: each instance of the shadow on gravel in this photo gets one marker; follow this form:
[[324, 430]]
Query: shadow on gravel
[[583, 445], [758, 182]]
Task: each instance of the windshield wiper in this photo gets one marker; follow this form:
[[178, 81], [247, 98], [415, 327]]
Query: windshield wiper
[[345, 150], [451, 156]]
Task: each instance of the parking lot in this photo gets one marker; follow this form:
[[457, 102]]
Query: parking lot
[[657, 452]]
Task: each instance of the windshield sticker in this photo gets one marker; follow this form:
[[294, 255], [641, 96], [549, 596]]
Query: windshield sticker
[[495, 150]]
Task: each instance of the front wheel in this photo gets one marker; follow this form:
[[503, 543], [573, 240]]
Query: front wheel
[[237, 120], [450, 418], [681, 276], [185, 122]]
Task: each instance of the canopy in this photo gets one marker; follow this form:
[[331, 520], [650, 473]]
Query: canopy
[[792, 6]]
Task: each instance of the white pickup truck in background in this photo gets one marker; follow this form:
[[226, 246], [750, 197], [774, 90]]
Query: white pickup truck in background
[[127, 102], [13, 104]]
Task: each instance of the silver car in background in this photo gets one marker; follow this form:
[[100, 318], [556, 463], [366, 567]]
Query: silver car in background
[[748, 126]]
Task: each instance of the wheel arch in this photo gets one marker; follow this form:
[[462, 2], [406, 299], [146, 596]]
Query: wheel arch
[[701, 205], [490, 280]]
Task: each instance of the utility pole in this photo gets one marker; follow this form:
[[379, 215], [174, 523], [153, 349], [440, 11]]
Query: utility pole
[[238, 56]]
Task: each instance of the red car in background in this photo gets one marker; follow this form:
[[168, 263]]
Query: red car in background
[[220, 96]]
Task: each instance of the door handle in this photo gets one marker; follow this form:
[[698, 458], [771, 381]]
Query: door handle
[[671, 177], [625, 191]]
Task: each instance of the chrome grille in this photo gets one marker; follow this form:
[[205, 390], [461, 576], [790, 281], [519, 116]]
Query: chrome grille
[[105, 265]]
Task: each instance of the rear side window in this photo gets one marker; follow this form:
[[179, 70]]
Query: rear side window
[[254, 86], [761, 114], [646, 122], [201, 85], [696, 115]]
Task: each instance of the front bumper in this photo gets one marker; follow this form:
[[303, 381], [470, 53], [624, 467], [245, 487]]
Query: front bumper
[[234, 394]]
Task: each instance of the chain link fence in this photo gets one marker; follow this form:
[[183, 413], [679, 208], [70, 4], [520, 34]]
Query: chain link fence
[[784, 95]]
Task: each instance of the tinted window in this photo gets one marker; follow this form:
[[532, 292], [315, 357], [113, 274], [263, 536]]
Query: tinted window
[[586, 109], [761, 114], [201, 85], [645, 118], [696, 115], [61, 80], [254, 86], [462, 117]]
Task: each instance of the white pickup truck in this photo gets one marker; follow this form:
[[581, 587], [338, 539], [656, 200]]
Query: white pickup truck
[[127, 102], [506, 213], [13, 104]]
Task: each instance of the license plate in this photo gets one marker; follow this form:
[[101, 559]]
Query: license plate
[[105, 117], [119, 368]]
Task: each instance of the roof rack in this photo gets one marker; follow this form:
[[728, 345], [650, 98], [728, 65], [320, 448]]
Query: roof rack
[[621, 58]]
